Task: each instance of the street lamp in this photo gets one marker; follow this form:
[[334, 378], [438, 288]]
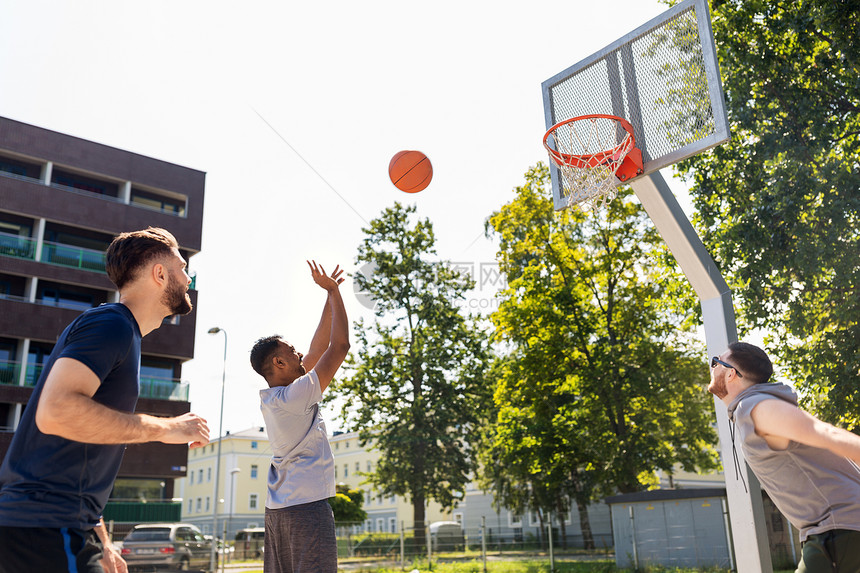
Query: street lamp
[[229, 525], [212, 557]]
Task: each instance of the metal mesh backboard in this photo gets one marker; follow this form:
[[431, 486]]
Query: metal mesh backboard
[[663, 78]]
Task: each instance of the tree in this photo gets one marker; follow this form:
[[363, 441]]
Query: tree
[[600, 386], [347, 505], [415, 391], [779, 205]]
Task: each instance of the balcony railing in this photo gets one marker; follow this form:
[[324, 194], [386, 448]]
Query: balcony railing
[[89, 193], [10, 373], [150, 387], [76, 257], [52, 253], [163, 389], [59, 254], [17, 246]]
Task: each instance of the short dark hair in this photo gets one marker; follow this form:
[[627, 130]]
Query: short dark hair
[[130, 252], [752, 361], [262, 352]]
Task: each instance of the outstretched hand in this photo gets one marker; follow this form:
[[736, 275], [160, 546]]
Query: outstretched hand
[[328, 282]]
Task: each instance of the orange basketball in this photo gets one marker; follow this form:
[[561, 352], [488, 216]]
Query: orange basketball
[[410, 171]]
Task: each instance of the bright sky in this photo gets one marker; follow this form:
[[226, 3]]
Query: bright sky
[[346, 84]]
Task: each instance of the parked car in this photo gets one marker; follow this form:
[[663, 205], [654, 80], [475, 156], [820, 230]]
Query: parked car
[[249, 543], [166, 546]]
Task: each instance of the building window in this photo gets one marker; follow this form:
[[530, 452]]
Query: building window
[[253, 445], [200, 475], [337, 445], [392, 524], [141, 198], [369, 466], [191, 478], [346, 444], [252, 501], [253, 472], [380, 525], [190, 505], [208, 474], [515, 520], [345, 470], [199, 505], [368, 526], [207, 503], [66, 298], [335, 472]]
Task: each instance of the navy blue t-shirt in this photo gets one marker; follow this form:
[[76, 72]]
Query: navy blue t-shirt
[[49, 481]]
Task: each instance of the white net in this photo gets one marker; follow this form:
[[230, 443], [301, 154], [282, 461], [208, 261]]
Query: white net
[[588, 152]]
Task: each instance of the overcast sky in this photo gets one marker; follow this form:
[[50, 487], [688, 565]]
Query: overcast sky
[[293, 110]]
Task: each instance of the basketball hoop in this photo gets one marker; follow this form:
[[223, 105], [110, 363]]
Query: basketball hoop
[[591, 151]]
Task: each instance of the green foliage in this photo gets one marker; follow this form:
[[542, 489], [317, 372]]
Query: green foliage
[[347, 505], [415, 390], [779, 205], [599, 386]]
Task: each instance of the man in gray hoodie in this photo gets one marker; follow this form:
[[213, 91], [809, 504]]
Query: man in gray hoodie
[[807, 467]]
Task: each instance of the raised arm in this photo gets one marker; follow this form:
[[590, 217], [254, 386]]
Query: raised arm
[[322, 336], [338, 343], [66, 409], [778, 422]]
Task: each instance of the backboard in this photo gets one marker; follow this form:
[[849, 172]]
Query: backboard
[[662, 77]]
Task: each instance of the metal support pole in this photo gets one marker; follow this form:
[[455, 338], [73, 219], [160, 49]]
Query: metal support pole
[[729, 543], [791, 541], [745, 504], [213, 556], [549, 537], [402, 545], [429, 547], [484, 542], [633, 538]]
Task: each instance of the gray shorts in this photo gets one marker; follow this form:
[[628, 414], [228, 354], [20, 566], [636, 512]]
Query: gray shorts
[[300, 539]]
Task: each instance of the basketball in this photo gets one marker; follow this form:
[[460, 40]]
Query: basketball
[[410, 171]]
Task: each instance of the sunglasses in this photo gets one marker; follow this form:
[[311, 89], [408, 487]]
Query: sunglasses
[[715, 361]]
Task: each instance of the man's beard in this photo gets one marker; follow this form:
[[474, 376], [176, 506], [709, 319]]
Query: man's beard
[[176, 297], [717, 387]]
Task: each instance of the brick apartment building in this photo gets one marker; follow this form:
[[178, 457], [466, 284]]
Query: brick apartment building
[[62, 200]]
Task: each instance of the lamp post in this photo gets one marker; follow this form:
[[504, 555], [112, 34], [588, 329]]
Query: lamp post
[[213, 556], [229, 526]]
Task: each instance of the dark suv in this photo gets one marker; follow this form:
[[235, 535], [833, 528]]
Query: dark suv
[[166, 546]]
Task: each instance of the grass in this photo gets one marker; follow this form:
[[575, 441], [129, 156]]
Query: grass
[[525, 566], [530, 566]]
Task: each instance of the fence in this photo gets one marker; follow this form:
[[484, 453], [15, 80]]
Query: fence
[[442, 539]]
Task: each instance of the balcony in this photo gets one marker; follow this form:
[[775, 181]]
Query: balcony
[[10, 373], [17, 246], [163, 389], [74, 257], [166, 206], [156, 388], [52, 253]]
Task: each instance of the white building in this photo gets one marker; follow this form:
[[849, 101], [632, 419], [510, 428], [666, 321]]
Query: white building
[[245, 458]]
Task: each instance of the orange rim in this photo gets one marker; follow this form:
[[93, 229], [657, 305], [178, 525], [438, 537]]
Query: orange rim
[[589, 160]]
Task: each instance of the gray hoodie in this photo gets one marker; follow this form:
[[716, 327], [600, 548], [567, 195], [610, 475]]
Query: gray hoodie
[[814, 488]]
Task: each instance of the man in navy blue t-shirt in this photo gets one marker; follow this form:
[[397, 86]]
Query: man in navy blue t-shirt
[[66, 452]]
